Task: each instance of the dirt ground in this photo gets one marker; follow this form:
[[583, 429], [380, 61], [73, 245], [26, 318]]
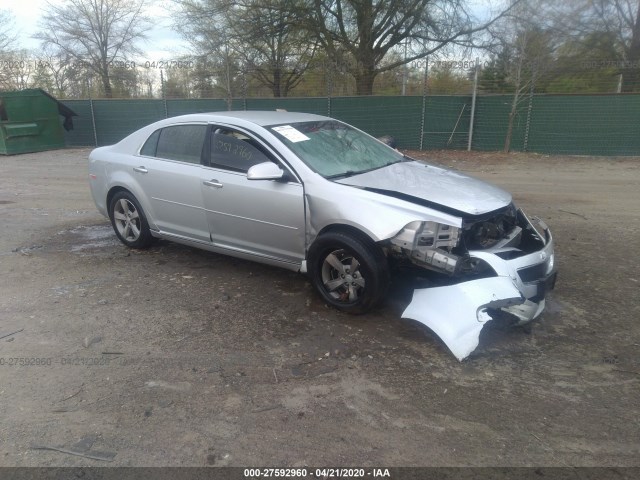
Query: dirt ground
[[175, 356]]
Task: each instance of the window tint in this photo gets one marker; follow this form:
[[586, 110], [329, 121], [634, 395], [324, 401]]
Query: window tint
[[181, 142], [235, 151], [149, 147]]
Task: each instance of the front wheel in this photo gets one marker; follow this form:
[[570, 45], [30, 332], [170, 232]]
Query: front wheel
[[350, 273], [129, 221]]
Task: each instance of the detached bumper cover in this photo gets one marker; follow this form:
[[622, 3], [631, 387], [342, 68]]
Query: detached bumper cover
[[457, 313]]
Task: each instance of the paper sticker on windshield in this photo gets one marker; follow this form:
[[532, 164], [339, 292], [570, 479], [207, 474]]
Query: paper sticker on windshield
[[290, 133]]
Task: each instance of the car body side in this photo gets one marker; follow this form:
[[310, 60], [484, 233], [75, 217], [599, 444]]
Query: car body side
[[113, 168]]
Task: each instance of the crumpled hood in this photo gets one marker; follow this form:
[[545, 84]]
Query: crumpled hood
[[434, 184]]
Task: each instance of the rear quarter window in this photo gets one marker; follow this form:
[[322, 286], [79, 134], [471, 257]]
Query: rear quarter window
[[149, 147]]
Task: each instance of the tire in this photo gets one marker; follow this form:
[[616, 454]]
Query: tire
[[129, 221], [350, 273]]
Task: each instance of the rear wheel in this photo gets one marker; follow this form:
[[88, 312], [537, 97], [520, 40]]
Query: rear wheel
[[350, 272], [129, 221]]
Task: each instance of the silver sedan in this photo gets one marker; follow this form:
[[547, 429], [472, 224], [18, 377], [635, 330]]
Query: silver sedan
[[315, 195]]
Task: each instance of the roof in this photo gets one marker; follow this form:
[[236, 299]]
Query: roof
[[262, 118]]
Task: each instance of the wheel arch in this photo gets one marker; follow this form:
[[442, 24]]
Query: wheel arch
[[373, 263], [349, 230], [112, 193], [132, 219], [114, 189]]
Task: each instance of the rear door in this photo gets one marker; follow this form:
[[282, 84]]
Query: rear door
[[261, 217], [171, 173]]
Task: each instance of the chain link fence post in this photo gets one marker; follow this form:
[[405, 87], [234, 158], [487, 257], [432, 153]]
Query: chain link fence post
[[473, 103], [525, 143], [93, 116], [244, 90], [424, 101], [164, 97], [329, 80]]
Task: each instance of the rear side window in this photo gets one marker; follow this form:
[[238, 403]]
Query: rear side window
[[180, 142]]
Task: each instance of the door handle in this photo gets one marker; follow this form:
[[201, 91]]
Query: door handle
[[213, 183], [140, 169]]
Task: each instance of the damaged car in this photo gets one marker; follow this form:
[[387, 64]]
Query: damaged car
[[315, 195]]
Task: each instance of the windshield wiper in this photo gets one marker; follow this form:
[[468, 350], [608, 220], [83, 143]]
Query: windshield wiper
[[348, 173], [351, 173]]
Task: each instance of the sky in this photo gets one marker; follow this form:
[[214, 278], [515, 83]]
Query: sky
[[162, 43]]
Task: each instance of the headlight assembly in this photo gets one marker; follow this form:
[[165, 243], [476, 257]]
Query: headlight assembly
[[429, 245]]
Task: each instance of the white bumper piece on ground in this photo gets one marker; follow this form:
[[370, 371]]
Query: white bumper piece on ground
[[457, 313]]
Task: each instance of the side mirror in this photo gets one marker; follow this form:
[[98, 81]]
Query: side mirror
[[265, 171]]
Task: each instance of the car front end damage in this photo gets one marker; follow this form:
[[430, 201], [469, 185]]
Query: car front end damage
[[495, 264]]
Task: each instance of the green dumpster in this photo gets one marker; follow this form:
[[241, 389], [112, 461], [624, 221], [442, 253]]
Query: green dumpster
[[30, 121]]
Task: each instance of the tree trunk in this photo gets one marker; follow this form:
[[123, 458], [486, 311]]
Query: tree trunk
[[364, 80], [106, 84], [631, 75], [277, 83]]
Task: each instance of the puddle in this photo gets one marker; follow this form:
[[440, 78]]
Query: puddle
[[94, 237]]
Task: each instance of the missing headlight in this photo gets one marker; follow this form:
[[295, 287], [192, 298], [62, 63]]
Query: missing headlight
[[429, 245], [486, 234], [490, 229]]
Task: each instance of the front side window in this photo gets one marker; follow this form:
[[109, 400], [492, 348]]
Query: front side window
[[235, 151], [179, 142], [334, 149]]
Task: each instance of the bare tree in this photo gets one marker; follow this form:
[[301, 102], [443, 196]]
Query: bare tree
[[7, 44], [276, 49], [41, 77], [621, 18], [204, 24], [7, 33], [59, 66], [96, 33], [18, 68], [266, 36], [362, 32], [530, 58], [604, 32]]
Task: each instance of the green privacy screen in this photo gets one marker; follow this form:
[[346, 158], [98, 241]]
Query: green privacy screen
[[399, 117], [554, 124], [585, 124], [82, 133]]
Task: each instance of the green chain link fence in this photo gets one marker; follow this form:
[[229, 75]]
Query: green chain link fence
[[607, 124]]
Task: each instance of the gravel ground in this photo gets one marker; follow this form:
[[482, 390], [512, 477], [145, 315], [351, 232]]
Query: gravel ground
[[175, 356]]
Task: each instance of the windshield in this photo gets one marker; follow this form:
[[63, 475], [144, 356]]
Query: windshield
[[334, 149]]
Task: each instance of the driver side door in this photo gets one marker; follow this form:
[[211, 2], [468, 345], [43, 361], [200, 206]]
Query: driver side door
[[264, 218]]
